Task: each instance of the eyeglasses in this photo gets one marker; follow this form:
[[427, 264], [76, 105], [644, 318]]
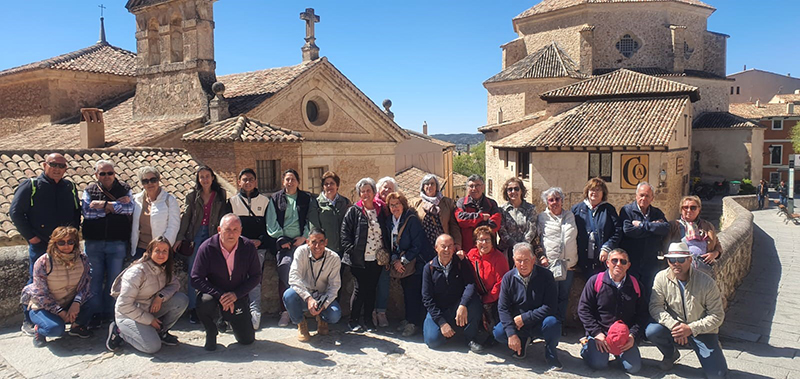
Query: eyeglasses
[[67, 242], [146, 181], [57, 165], [513, 189], [554, 200], [106, 173], [676, 260], [689, 207], [247, 179], [618, 261], [483, 240]]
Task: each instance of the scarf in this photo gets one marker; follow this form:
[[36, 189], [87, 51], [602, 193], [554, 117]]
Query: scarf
[[693, 231], [68, 260], [431, 203]]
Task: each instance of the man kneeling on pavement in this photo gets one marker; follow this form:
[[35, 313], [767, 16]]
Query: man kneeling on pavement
[[614, 315], [314, 283], [687, 307]]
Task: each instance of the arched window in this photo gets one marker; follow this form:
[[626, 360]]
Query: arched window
[[153, 43], [176, 39]]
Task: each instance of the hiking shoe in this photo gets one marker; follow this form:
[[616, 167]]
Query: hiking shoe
[[322, 327], [667, 363], [302, 331], [525, 343], [114, 340], [193, 317], [383, 322], [476, 347], [402, 326], [555, 365], [369, 326], [28, 328], [38, 339], [355, 327], [256, 318], [80, 331], [284, 321], [409, 330], [168, 339], [222, 325]]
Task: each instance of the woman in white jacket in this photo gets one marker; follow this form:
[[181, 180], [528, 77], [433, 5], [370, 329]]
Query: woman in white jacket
[[559, 235], [156, 213], [148, 302]]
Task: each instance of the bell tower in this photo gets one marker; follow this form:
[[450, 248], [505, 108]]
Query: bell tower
[[175, 58]]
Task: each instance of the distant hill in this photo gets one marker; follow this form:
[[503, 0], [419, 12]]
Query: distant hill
[[471, 139]]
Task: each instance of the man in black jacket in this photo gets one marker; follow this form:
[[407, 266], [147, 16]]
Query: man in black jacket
[[448, 293], [225, 270], [40, 205], [527, 307]]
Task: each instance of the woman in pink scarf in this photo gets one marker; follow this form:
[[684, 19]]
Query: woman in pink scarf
[[698, 234]]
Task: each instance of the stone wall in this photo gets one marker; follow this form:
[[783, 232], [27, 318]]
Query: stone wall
[[727, 153], [736, 238], [23, 106]]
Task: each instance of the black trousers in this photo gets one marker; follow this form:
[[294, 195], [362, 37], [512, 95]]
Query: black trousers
[[365, 291], [209, 309]]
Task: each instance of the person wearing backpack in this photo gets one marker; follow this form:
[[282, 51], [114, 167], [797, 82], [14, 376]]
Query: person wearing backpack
[[611, 305], [40, 205]]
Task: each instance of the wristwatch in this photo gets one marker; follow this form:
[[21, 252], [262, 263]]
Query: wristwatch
[[161, 296]]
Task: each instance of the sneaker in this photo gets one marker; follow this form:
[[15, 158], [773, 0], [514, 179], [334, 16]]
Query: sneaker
[[38, 339], [322, 327], [383, 322], [94, 323], [369, 326], [555, 365], [402, 326], [284, 321], [355, 327], [80, 331], [222, 325], [256, 318], [476, 347], [409, 330], [667, 363], [114, 340], [525, 343], [302, 331], [168, 339], [211, 342], [28, 328], [193, 317]]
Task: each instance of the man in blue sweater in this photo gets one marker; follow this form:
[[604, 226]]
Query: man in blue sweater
[[527, 307]]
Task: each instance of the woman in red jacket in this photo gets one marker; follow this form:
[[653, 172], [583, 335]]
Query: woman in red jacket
[[489, 266]]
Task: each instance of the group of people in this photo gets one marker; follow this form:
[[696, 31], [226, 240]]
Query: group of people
[[762, 193], [489, 273]]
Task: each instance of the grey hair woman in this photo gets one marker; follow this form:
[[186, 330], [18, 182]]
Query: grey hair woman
[[559, 236], [156, 213]]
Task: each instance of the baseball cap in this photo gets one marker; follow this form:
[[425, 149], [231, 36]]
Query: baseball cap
[[617, 337]]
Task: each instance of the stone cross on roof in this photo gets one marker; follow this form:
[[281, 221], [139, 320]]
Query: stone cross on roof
[[310, 49]]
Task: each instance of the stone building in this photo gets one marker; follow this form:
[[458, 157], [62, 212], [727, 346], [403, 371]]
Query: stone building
[[778, 120], [753, 85], [554, 110], [430, 155]]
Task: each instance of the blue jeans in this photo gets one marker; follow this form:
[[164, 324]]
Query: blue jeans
[[631, 359], [706, 346], [549, 329], [34, 252], [137, 254], [296, 306], [382, 299], [106, 259], [563, 288], [784, 200], [432, 334], [199, 238], [51, 325], [761, 201]]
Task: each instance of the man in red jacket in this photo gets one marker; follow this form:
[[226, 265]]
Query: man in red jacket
[[475, 210]]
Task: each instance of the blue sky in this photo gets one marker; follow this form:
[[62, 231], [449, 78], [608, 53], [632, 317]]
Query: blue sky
[[428, 57]]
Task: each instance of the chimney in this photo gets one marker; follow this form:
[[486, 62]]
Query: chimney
[[425, 128], [386, 105], [678, 45], [758, 103], [218, 106], [93, 133], [310, 49], [745, 68], [790, 108]]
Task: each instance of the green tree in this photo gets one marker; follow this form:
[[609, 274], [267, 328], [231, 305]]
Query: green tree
[[473, 162]]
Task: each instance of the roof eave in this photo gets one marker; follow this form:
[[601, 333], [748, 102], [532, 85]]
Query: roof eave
[[694, 96]]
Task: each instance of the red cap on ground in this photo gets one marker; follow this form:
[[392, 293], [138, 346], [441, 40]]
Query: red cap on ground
[[617, 337]]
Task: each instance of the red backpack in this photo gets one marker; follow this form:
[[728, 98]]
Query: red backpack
[[598, 284]]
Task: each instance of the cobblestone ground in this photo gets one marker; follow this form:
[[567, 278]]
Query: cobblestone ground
[[759, 339]]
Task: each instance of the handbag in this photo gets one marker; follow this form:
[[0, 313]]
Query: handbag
[[559, 269], [382, 256], [408, 268]]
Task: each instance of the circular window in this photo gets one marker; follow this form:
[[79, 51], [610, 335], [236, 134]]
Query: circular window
[[312, 111]]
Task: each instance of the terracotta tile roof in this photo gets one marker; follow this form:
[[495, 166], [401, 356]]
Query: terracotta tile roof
[[121, 130], [752, 112], [428, 138], [176, 166], [620, 83], [410, 179], [99, 58], [134, 4], [553, 5], [548, 62], [645, 122], [241, 128], [786, 98], [247, 90], [660, 72], [723, 120]]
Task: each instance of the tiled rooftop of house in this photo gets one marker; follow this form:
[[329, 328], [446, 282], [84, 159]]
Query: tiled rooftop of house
[[428, 138], [410, 179], [723, 120], [752, 111], [553, 5], [620, 83], [660, 72], [99, 58], [247, 90], [241, 129], [548, 62], [786, 98]]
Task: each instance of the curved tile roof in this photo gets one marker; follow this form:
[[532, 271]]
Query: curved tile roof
[[723, 120], [620, 83], [548, 62], [99, 58], [554, 5], [241, 129]]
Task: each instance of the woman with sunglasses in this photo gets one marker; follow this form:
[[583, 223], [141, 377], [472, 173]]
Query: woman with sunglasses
[[156, 213], [519, 220], [700, 235], [148, 301], [559, 236], [60, 288]]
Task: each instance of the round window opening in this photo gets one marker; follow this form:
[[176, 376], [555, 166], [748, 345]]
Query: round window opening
[[312, 111]]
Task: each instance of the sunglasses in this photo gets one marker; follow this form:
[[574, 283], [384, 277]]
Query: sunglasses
[[512, 189], [57, 165], [65, 243], [148, 181], [676, 260], [617, 261], [554, 200], [689, 207], [106, 173]]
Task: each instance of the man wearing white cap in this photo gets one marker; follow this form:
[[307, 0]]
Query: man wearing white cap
[[687, 307]]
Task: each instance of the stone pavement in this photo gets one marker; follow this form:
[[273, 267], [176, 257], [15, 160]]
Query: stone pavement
[[758, 340]]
